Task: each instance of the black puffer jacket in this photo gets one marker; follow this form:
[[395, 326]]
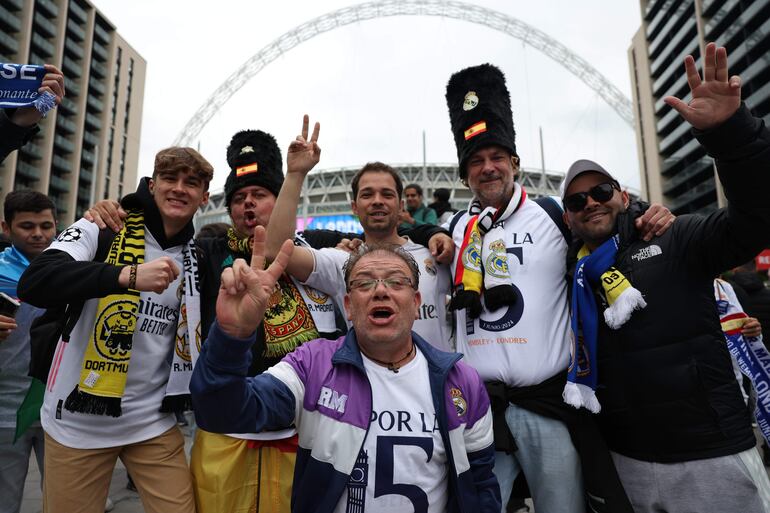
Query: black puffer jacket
[[757, 300], [666, 383]]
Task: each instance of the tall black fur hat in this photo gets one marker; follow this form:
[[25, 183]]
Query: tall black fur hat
[[254, 159], [480, 111]]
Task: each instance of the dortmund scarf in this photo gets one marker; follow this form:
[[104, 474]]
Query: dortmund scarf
[[108, 354], [749, 353], [591, 270], [19, 85], [288, 322], [482, 264]]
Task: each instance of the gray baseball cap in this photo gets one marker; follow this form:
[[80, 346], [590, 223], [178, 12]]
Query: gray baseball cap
[[582, 166]]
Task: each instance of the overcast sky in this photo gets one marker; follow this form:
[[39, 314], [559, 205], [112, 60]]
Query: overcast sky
[[376, 85]]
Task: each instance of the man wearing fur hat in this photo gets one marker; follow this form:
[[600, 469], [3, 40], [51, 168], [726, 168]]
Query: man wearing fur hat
[[112, 388], [295, 314], [510, 299], [671, 409]]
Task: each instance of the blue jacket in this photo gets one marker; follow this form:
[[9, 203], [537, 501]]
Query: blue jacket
[[332, 428]]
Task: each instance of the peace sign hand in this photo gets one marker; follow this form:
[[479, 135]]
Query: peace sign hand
[[714, 98], [246, 289], [304, 154]]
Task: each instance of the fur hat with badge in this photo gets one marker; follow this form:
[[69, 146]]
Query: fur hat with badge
[[479, 111], [254, 159]]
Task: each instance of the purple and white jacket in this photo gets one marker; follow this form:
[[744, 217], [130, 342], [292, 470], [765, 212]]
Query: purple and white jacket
[[322, 388]]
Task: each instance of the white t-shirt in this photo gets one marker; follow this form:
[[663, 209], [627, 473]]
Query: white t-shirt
[[148, 369], [529, 342], [403, 458], [431, 325]]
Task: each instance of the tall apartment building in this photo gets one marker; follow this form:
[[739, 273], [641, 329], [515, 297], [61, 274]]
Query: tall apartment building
[[88, 147], [674, 169]]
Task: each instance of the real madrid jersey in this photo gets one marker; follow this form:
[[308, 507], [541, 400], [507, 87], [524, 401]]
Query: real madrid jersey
[[148, 368], [403, 463], [528, 342], [431, 324]]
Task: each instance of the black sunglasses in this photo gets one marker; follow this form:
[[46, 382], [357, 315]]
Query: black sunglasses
[[601, 193]]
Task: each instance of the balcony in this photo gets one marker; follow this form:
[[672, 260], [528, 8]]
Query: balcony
[[74, 48], [75, 30], [9, 21], [45, 25], [77, 12], [42, 45], [84, 194], [65, 124], [49, 7], [93, 121], [62, 164], [87, 156], [14, 5], [90, 138], [95, 104], [98, 69], [102, 34], [71, 68], [100, 51], [72, 87], [59, 184], [32, 150], [8, 45], [96, 85], [28, 171], [86, 176], [66, 104], [60, 202]]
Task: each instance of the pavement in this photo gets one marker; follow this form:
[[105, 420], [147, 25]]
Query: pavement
[[126, 501]]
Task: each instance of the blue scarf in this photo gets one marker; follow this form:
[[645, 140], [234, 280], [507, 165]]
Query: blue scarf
[[12, 264], [19, 86], [750, 353], [581, 375]]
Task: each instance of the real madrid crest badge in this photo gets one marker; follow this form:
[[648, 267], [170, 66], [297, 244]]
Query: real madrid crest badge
[[471, 100], [459, 401]]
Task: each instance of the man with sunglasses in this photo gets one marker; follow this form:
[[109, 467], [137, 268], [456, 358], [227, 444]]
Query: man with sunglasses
[[671, 409], [510, 300], [386, 422]]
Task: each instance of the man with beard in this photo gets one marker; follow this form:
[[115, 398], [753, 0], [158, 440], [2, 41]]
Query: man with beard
[[377, 191], [113, 387], [650, 342]]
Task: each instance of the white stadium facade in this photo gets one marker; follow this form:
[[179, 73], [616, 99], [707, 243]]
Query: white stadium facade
[[326, 194]]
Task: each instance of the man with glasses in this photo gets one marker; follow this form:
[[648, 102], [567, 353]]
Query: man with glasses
[[652, 351], [385, 420]]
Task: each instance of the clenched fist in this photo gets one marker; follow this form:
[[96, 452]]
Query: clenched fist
[[153, 276]]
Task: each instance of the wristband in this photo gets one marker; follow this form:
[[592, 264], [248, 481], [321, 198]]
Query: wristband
[[132, 277]]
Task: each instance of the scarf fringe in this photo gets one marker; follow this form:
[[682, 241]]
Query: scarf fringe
[[176, 403], [284, 347], [469, 300], [578, 395], [45, 102], [82, 402], [500, 296], [620, 311]]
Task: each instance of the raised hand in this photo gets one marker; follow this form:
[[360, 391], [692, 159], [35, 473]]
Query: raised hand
[[304, 154], [715, 97], [246, 289], [53, 82]]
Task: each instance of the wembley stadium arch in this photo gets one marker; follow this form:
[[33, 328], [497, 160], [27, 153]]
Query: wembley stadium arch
[[387, 8], [326, 193]]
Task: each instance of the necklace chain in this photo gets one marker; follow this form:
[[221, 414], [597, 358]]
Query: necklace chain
[[392, 366]]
